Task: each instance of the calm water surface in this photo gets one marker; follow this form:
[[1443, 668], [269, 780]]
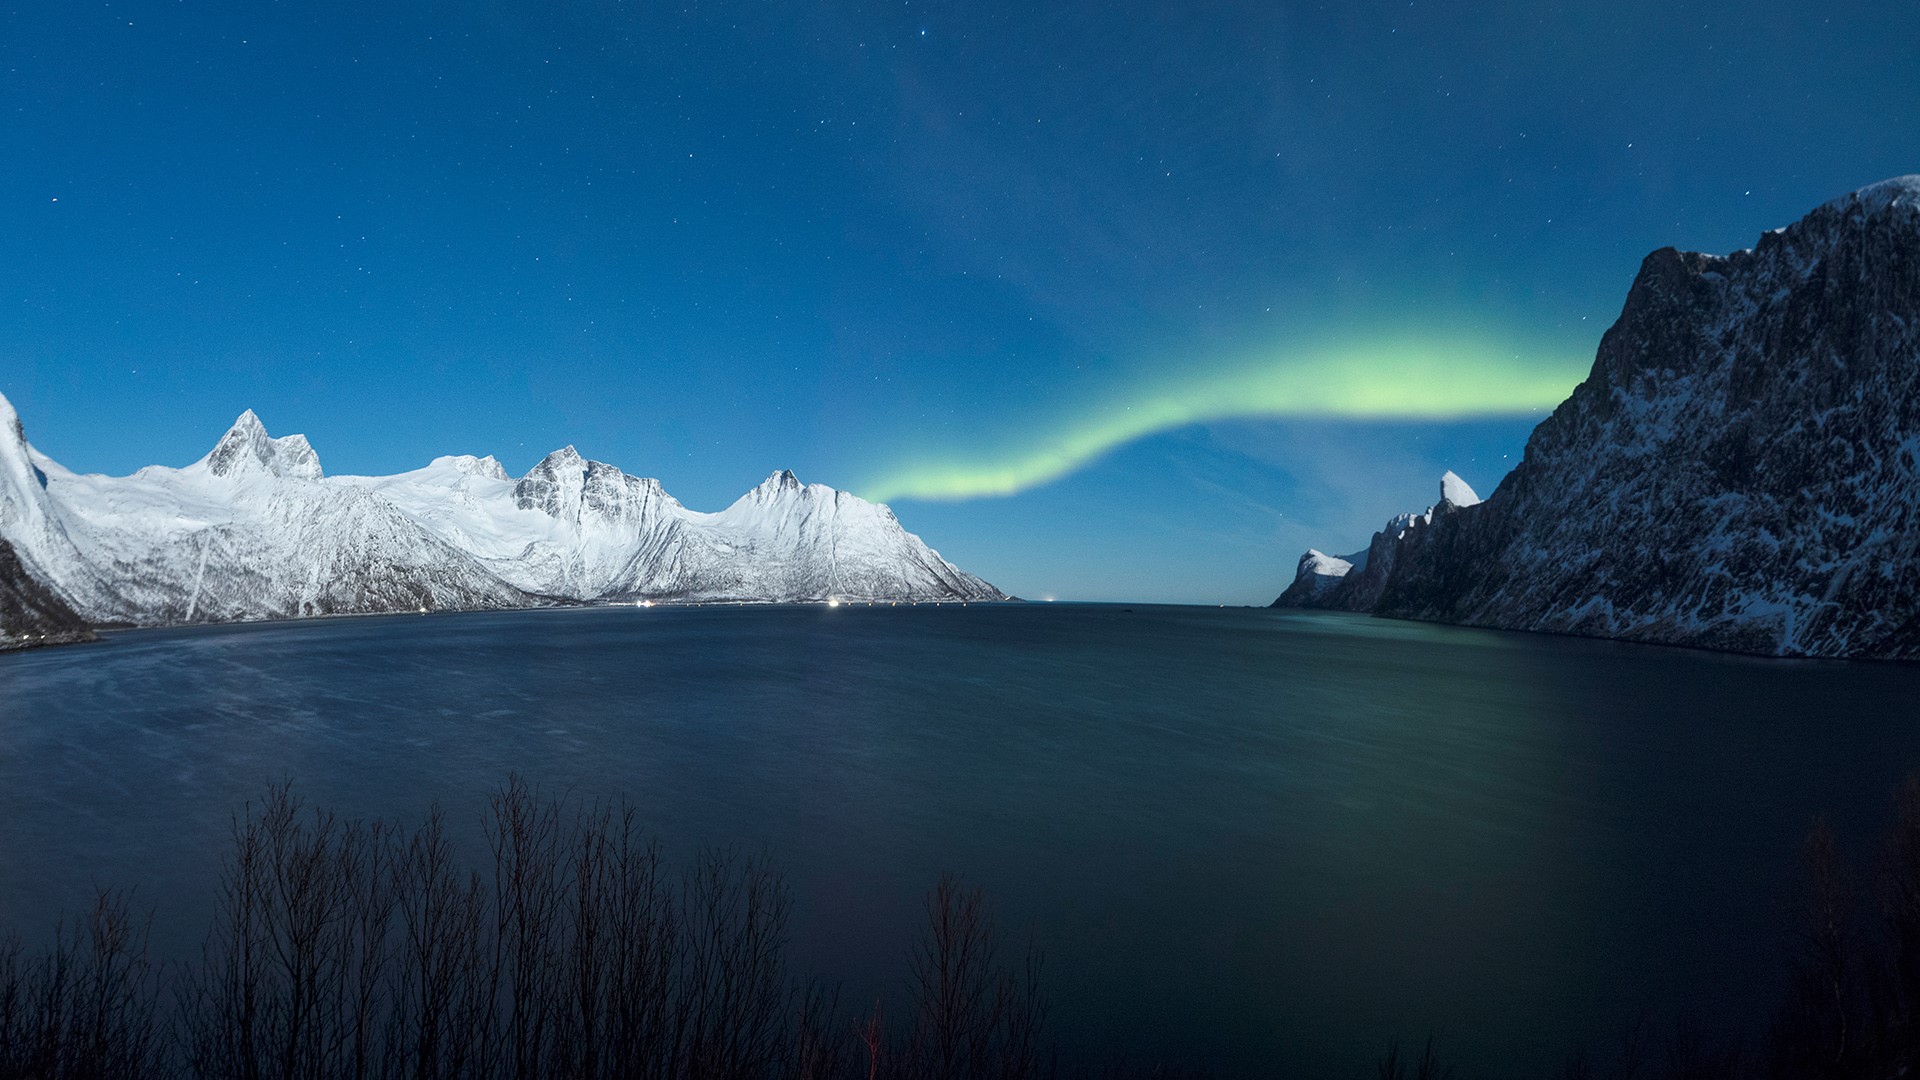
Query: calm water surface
[[1268, 841]]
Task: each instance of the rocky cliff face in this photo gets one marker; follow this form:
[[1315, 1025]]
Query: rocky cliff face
[[1740, 470], [1355, 582]]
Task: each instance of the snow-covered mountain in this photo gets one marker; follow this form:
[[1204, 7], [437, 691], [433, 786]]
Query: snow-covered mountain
[[1740, 470], [256, 530]]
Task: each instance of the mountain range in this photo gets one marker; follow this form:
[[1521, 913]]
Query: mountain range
[[256, 530], [1740, 470]]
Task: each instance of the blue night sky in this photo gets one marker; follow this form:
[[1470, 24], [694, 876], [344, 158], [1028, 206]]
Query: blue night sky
[[1109, 301]]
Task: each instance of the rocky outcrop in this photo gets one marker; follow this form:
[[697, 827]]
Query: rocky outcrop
[[30, 613], [1355, 582]]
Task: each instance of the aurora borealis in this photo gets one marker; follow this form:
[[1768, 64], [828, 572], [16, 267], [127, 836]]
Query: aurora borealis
[[1406, 380], [1117, 301]]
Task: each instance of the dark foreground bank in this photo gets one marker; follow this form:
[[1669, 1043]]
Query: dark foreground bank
[[357, 949], [360, 949]]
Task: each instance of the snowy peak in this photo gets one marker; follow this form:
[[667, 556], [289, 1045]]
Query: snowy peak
[[22, 485], [468, 465], [777, 484], [1887, 194], [572, 489], [783, 493], [246, 449], [559, 463], [1456, 491], [16, 464], [26, 510], [12, 432], [553, 486], [1319, 562]]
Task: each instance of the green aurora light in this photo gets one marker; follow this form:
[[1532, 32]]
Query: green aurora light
[[1427, 379]]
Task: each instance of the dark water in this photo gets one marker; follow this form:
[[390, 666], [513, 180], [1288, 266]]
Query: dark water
[[1266, 841]]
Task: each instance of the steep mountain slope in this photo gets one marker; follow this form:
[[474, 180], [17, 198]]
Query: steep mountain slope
[[256, 530], [30, 613], [1740, 470], [31, 525]]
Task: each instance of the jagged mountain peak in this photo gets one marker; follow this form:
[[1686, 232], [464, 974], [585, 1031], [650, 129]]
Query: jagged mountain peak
[[1457, 491], [778, 481], [572, 488], [247, 448], [783, 493], [562, 460]]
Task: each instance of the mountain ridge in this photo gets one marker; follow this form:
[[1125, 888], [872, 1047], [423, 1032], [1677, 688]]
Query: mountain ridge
[[257, 530]]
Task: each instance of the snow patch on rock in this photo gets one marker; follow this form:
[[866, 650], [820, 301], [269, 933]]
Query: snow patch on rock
[[1456, 491]]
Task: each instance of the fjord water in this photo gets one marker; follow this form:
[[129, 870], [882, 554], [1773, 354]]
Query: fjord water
[[1268, 842]]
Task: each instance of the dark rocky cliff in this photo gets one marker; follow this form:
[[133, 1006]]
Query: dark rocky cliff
[[1740, 470]]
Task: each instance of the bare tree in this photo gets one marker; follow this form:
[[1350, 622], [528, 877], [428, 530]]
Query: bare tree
[[528, 894], [346, 950], [974, 1017], [441, 1001], [87, 1007], [1426, 1066], [732, 984], [1821, 1031]]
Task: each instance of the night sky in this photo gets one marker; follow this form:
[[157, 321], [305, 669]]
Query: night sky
[[1110, 301]]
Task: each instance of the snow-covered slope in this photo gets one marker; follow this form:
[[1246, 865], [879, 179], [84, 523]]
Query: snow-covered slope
[[1317, 575], [252, 531], [584, 530], [806, 541], [256, 530], [1455, 491], [1740, 470]]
